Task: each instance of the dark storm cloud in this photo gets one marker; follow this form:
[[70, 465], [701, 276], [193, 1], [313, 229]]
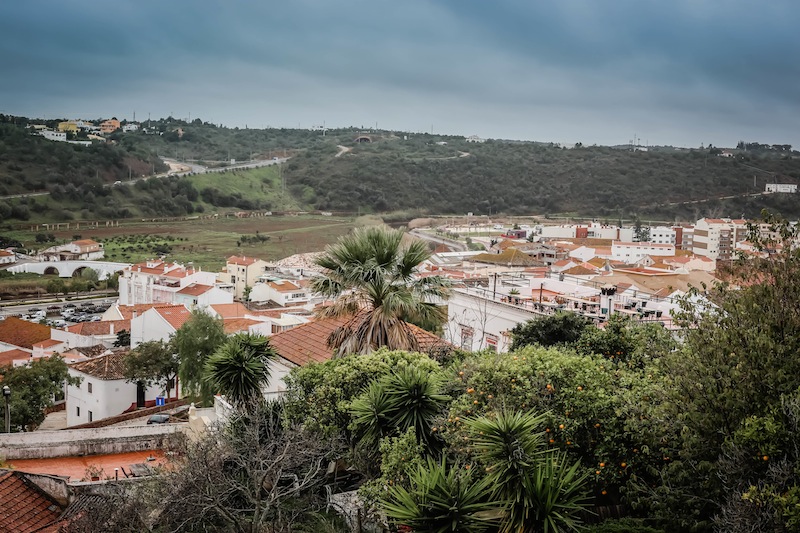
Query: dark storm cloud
[[682, 72]]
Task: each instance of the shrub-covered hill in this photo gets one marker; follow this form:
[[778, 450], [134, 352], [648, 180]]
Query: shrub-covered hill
[[536, 178], [425, 173]]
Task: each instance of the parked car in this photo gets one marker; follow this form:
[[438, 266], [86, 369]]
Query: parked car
[[69, 306], [158, 419]]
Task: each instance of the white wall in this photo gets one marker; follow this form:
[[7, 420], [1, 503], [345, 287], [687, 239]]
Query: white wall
[[108, 398], [149, 326]]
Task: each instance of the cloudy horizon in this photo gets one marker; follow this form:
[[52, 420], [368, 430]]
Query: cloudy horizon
[[680, 73]]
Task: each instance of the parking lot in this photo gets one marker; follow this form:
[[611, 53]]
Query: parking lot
[[61, 314]]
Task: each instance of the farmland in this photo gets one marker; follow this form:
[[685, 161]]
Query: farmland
[[207, 242]]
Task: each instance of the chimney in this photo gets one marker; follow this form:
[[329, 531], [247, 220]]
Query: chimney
[[111, 329], [134, 315]]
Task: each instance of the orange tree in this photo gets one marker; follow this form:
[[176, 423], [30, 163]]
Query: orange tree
[[595, 410]]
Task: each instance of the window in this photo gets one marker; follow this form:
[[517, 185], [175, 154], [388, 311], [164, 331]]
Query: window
[[466, 337], [90, 416], [78, 411], [89, 386], [491, 342]]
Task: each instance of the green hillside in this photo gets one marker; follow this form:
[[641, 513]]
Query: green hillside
[[419, 173]]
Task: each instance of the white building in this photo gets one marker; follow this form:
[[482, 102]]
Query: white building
[[60, 136], [128, 128], [781, 187], [158, 323], [631, 252], [242, 272], [662, 235], [198, 295], [474, 139], [7, 257], [716, 238], [103, 391], [283, 292], [601, 231], [155, 281], [80, 250]]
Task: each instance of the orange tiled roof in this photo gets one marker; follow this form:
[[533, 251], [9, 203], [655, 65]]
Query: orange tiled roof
[[85, 242], [235, 325], [510, 256], [4, 253], [105, 367], [309, 342], [22, 333], [127, 311], [7, 358], [283, 286], [24, 507], [100, 328], [233, 310], [195, 289], [579, 271], [175, 315], [242, 260], [48, 343]]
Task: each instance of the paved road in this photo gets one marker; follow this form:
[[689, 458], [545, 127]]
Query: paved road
[[454, 245]]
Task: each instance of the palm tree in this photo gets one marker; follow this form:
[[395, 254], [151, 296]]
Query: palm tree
[[240, 368], [370, 275]]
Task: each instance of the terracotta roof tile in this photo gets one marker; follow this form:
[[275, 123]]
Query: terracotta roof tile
[[85, 242], [233, 310], [7, 358], [87, 351], [100, 328], [106, 367], [235, 325], [24, 507], [309, 342], [175, 315], [511, 256], [127, 311], [22, 333], [195, 289], [47, 343], [242, 260], [283, 286]]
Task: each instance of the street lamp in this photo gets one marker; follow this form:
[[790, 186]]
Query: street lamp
[[7, 396]]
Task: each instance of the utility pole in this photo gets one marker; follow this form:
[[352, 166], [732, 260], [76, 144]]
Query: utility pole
[[7, 396]]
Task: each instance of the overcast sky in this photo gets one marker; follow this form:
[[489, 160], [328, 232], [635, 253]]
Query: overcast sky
[[680, 72]]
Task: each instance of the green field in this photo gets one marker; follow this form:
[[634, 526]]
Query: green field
[[208, 242]]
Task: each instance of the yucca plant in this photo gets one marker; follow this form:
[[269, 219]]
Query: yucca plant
[[371, 414], [443, 499], [370, 276], [406, 398], [240, 368], [544, 493]]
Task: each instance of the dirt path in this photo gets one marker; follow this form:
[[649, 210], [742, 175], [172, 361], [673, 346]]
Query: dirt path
[[342, 150]]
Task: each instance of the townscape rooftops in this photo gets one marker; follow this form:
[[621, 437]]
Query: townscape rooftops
[[22, 333], [100, 328], [24, 507], [175, 315], [195, 289], [309, 342], [510, 256], [106, 367], [235, 325], [8, 357], [231, 310], [242, 260]]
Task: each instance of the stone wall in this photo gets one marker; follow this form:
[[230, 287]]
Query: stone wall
[[71, 442]]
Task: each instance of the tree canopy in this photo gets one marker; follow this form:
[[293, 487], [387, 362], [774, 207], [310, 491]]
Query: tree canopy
[[370, 276]]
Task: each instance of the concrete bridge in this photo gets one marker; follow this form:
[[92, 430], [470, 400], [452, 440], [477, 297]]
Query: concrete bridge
[[68, 269]]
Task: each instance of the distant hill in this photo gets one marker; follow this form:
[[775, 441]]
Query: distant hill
[[387, 172]]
